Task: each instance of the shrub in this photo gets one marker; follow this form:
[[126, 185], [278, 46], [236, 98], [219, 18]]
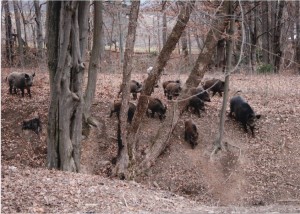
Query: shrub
[[265, 68]]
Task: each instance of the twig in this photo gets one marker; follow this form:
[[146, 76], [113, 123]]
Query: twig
[[125, 200]]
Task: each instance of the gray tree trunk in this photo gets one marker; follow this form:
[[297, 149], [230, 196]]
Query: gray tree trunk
[[120, 38], [8, 33], [123, 157], [164, 30], [19, 33], [229, 50], [94, 60], [266, 35], [39, 27], [24, 22], [277, 36], [253, 38], [297, 42], [66, 76]]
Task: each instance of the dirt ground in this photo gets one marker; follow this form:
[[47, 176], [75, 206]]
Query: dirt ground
[[260, 172]]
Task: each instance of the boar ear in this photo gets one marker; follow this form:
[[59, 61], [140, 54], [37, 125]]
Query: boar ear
[[33, 74], [26, 76], [258, 116]]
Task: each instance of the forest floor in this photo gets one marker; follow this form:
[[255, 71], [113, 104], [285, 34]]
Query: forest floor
[[253, 175]]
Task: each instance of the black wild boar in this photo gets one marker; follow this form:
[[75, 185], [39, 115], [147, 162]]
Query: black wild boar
[[197, 104], [33, 124], [191, 133], [214, 85], [156, 106], [164, 85], [116, 107], [20, 81], [201, 93], [135, 87], [243, 113], [173, 89]]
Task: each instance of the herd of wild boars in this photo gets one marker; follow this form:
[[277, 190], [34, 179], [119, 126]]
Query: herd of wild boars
[[198, 96], [239, 108]]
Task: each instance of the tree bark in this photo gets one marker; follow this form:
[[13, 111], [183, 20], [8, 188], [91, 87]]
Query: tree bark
[[277, 36], [66, 72], [19, 33], [265, 36], [94, 60], [164, 30], [8, 33], [24, 22], [297, 41], [124, 155], [229, 49], [39, 28]]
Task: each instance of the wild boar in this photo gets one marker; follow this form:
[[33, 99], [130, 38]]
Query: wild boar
[[116, 107], [243, 113], [191, 133], [214, 85], [164, 85], [201, 93], [135, 87], [173, 89], [197, 104], [34, 124], [156, 106], [20, 81]]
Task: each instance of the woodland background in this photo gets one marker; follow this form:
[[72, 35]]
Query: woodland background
[[260, 173]]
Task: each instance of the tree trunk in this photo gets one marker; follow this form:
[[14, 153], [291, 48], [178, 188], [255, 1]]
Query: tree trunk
[[162, 59], [84, 26], [277, 36], [8, 33], [19, 33], [229, 49], [24, 22], [184, 47], [266, 35], [39, 28], [297, 41], [66, 72], [160, 141], [164, 30], [94, 60], [124, 154], [253, 39], [120, 38]]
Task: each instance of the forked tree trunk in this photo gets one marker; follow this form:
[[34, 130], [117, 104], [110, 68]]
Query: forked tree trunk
[[66, 100], [160, 141], [39, 27], [162, 59], [19, 33], [123, 156]]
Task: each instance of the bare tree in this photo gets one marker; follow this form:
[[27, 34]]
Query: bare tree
[[229, 48], [277, 36], [159, 143], [265, 33], [123, 156], [164, 31], [25, 22], [94, 60], [19, 33], [39, 27], [66, 97], [8, 32]]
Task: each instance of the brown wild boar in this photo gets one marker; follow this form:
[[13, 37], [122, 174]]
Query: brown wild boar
[[20, 81], [191, 133]]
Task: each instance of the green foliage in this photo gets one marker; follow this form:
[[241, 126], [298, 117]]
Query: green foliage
[[265, 68]]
